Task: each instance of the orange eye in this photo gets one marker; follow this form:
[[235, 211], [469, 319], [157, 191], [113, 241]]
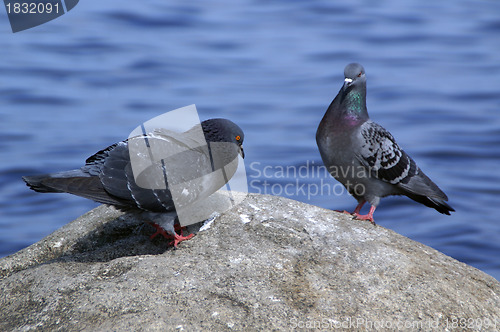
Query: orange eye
[[359, 75], [238, 137]]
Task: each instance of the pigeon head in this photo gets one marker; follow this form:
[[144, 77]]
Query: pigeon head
[[223, 130], [354, 75], [350, 103]]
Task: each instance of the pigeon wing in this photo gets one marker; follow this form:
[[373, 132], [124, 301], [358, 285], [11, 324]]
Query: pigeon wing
[[189, 171], [384, 158], [386, 161]]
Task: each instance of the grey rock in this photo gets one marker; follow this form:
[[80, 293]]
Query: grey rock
[[269, 264]]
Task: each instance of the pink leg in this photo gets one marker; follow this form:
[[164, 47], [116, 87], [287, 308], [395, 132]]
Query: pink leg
[[160, 231], [358, 207], [356, 210], [368, 216], [176, 238], [179, 238]]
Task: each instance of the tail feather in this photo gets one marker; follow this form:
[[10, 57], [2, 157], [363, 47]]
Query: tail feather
[[440, 205], [36, 183], [73, 182], [421, 189]]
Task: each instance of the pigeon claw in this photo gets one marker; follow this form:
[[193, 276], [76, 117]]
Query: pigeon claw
[[368, 216], [177, 238], [364, 217], [356, 210], [159, 231]]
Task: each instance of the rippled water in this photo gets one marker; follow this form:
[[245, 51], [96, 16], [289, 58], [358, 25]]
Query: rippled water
[[81, 82]]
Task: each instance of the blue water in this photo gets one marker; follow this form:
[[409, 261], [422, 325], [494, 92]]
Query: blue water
[[85, 80]]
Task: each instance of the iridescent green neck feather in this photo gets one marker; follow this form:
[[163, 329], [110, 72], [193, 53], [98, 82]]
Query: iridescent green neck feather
[[355, 102]]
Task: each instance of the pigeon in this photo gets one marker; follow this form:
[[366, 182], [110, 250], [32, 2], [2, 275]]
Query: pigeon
[[365, 157], [108, 176]]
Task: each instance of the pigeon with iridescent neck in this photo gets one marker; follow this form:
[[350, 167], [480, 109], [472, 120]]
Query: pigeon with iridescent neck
[[365, 157]]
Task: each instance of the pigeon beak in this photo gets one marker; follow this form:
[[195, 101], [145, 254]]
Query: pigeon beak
[[241, 152], [347, 82]]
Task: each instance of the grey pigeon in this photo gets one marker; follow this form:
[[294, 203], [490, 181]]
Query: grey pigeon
[[107, 176], [365, 157]]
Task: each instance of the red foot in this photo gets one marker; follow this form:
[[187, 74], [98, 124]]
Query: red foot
[[161, 231], [177, 238], [368, 216], [356, 210]]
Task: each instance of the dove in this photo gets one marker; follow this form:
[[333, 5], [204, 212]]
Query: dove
[[365, 157], [196, 166]]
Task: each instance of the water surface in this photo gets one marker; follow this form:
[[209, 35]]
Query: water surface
[[84, 81]]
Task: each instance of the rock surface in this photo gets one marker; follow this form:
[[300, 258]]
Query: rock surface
[[268, 264]]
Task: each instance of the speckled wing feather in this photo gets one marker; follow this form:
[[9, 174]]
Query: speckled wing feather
[[383, 156], [388, 162]]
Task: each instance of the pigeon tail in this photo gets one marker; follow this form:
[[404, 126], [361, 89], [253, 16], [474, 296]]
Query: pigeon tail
[[440, 205], [35, 183], [75, 182]]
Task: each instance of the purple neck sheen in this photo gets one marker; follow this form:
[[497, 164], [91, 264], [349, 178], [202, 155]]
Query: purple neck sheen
[[352, 119]]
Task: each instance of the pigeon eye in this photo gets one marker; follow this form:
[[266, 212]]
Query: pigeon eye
[[359, 75], [238, 137]]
